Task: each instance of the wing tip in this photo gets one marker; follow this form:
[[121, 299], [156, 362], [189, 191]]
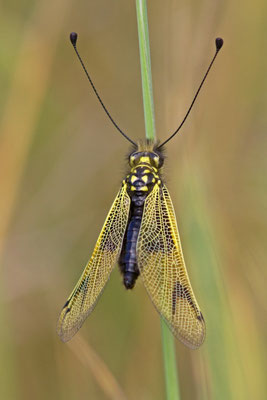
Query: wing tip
[[65, 334], [192, 344], [192, 340]]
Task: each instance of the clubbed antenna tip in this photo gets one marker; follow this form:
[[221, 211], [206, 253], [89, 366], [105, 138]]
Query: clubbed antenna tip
[[219, 43], [74, 37]]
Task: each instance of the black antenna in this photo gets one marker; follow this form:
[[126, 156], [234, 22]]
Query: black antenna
[[73, 39], [219, 44]]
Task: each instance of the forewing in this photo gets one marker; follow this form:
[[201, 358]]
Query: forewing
[[162, 267], [96, 273]]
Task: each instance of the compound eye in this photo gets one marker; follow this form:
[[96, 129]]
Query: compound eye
[[158, 160], [155, 158], [133, 158]]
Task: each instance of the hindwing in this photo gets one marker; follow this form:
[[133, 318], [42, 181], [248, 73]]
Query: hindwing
[[162, 268]]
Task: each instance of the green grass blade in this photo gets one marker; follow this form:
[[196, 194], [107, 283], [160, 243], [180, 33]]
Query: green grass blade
[[145, 62], [171, 377], [171, 374]]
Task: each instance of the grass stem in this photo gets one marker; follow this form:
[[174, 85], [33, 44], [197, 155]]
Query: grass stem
[[171, 377], [145, 62], [170, 369]]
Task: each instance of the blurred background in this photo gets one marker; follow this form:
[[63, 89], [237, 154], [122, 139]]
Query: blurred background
[[61, 164]]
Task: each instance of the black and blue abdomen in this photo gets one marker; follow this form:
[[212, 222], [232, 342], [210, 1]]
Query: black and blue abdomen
[[139, 184]]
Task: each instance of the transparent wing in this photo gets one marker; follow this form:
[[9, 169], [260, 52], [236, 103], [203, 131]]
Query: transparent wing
[[162, 267], [96, 273]]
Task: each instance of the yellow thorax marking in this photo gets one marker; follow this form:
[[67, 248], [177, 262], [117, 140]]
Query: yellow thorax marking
[[146, 171], [145, 178], [133, 178], [142, 189]]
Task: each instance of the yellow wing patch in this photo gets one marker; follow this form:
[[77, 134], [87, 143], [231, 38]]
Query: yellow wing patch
[[162, 268], [96, 273]]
